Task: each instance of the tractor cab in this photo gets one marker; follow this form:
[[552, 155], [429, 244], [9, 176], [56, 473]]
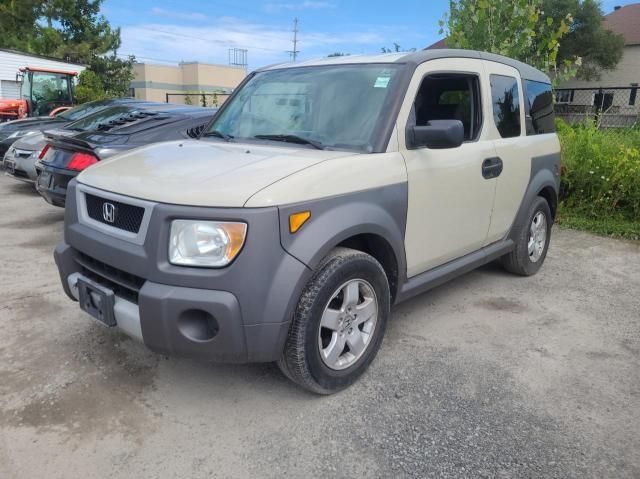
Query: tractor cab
[[46, 90], [42, 92]]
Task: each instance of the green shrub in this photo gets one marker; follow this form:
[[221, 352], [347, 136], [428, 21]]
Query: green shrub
[[89, 88], [601, 171]]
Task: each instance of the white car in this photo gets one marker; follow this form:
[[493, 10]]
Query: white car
[[322, 193], [21, 157]]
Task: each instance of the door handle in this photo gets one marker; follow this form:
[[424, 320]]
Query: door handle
[[492, 168]]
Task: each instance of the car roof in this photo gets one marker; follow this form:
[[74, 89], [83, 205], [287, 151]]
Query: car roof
[[527, 72]]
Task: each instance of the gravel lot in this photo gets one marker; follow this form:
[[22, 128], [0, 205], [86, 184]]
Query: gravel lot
[[488, 376]]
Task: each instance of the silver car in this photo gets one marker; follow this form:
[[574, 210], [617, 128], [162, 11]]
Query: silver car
[[20, 158]]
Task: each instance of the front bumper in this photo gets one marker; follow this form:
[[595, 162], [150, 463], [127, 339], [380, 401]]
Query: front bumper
[[190, 322], [236, 314]]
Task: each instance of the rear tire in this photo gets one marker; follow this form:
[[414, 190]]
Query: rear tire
[[532, 241], [338, 324]]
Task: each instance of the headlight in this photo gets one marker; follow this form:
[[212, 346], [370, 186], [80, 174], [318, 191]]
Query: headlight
[[21, 133], [210, 244]]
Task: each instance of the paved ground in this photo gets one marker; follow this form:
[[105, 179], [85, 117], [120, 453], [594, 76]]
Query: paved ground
[[489, 376]]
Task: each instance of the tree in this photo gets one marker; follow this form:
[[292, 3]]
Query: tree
[[396, 49], [89, 87], [17, 18], [72, 30], [515, 28], [599, 48], [338, 54], [116, 74]]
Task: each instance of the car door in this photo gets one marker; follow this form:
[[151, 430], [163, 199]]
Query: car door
[[506, 125], [449, 199]]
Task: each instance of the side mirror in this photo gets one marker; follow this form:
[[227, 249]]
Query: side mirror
[[437, 134]]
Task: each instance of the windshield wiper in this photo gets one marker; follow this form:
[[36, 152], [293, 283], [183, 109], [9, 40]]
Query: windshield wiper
[[292, 139], [219, 134]]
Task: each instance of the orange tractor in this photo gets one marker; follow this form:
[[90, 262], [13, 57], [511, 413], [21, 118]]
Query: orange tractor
[[42, 92]]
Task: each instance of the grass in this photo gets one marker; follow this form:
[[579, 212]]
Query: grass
[[600, 188], [612, 226]]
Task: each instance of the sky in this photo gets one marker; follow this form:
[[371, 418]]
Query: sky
[[171, 31]]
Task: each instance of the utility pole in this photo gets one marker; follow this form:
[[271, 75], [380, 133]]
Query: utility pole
[[295, 51]]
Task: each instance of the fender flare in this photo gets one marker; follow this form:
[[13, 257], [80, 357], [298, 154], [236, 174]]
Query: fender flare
[[381, 212], [545, 173]]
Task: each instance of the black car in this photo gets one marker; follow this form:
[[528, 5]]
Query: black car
[[108, 132], [13, 130]]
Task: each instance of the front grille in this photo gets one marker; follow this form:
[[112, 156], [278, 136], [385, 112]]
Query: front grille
[[123, 284], [125, 217]]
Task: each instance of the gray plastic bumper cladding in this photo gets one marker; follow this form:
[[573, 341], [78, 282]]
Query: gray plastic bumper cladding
[[251, 301]]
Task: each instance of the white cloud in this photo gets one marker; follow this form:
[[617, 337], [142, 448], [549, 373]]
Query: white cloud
[[161, 12], [306, 5], [211, 42]]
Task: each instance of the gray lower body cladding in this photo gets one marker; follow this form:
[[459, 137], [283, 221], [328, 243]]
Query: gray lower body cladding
[[242, 313], [251, 301]]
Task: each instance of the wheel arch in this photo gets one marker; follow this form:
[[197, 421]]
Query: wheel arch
[[372, 222], [550, 195], [544, 182], [380, 249]]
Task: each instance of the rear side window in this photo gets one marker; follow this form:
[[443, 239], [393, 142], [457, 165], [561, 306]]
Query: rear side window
[[505, 97], [540, 117]]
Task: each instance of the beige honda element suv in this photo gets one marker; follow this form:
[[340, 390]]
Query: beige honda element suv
[[321, 194]]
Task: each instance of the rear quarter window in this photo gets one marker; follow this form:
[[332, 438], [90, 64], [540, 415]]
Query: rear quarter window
[[505, 97], [540, 117]]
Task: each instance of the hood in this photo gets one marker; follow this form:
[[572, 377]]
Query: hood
[[35, 123], [201, 173]]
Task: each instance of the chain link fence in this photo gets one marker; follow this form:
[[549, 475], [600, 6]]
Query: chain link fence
[[610, 107]]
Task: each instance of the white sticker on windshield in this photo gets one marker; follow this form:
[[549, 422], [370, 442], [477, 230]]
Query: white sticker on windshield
[[382, 82]]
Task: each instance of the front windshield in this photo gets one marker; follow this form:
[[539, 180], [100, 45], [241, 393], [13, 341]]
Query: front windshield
[[82, 110], [335, 106]]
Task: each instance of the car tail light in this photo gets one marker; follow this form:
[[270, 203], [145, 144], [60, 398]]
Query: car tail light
[[44, 151], [80, 161]]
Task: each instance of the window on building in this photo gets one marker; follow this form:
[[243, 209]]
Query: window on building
[[505, 97], [540, 117], [632, 96], [450, 97], [564, 96], [602, 101]]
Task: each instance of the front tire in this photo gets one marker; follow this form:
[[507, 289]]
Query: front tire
[[338, 324], [532, 241]]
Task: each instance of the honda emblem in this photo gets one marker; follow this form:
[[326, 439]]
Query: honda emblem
[[108, 212]]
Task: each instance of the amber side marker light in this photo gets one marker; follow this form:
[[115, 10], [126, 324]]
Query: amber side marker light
[[296, 220]]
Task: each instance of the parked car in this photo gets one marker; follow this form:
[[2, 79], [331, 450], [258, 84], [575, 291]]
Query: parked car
[[322, 193], [20, 160], [13, 130], [106, 133]]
